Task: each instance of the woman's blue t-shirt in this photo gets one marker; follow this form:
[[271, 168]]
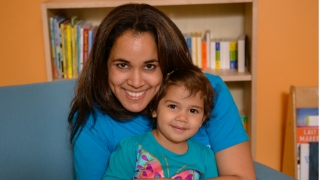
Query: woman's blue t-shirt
[[96, 142]]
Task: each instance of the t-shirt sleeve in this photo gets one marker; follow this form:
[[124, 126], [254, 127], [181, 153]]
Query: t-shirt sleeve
[[123, 160], [89, 147], [224, 128], [211, 170]]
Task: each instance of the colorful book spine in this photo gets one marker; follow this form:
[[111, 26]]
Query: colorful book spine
[[86, 28], [78, 37], [73, 64], [218, 55], [68, 52], [64, 44], [204, 55], [233, 55], [212, 54], [53, 47], [188, 41]]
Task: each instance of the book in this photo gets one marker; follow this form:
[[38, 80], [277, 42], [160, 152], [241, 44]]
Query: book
[[188, 41], [72, 58], [304, 136], [304, 161], [63, 61], [233, 55], [53, 48], [224, 54], [204, 55], [313, 160], [68, 51], [307, 116], [199, 49], [86, 26], [241, 53], [194, 47], [207, 39], [213, 54], [92, 33], [217, 54], [78, 59], [58, 19], [312, 120]]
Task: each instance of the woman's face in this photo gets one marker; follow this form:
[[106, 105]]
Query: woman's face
[[134, 72]]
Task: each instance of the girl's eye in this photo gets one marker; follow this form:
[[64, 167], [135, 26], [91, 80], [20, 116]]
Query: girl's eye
[[172, 106], [149, 67], [194, 111], [122, 65]]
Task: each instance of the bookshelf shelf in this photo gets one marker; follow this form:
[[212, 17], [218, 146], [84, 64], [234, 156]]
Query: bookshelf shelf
[[224, 18]]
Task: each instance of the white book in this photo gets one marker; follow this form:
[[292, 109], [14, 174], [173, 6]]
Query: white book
[[213, 54], [241, 53], [199, 49], [194, 48], [304, 161], [225, 54], [208, 54], [312, 120]]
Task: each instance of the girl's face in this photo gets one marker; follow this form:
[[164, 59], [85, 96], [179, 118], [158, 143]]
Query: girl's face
[[134, 72], [179, 116]]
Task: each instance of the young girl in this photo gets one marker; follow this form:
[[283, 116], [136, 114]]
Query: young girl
[[183, 104]]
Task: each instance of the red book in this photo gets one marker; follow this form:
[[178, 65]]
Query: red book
[[306, 134], [204, 55], [86, 28]]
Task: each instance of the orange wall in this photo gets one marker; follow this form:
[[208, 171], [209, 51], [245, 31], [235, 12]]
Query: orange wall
[[21, 47], [287, 55]]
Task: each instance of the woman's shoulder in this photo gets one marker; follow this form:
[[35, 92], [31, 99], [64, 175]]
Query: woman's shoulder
[[216, 81]]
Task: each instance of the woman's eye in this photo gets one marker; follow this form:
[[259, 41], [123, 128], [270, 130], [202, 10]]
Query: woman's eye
[[149, 67], [122, 65], [194, 111]]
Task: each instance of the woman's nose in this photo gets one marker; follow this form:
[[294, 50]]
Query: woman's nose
[[136, 79]]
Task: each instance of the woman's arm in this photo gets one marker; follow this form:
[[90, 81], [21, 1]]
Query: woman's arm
[[235, 163], [123, 161], [91, 150], [227, 135]]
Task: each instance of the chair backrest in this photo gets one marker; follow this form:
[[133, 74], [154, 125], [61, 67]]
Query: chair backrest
[[34, 136], [300, 97]]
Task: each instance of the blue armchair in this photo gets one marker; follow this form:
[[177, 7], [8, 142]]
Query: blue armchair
[[34, 138]]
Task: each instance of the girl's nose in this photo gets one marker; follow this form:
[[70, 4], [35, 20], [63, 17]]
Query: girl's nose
[[182, 116]]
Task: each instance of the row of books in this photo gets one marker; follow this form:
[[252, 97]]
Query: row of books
[[307, 138], [208, 53], [71, 42]]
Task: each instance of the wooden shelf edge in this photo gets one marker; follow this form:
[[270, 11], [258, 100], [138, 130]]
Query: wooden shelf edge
[[230, 75], [61, 4]]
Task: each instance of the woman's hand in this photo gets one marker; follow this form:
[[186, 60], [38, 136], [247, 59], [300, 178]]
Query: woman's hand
[[235, 163]]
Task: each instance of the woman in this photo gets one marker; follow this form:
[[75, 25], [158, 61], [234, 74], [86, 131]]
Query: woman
[[136, 45]]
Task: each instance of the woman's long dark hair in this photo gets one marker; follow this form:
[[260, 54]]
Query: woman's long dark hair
[[93, 91]]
